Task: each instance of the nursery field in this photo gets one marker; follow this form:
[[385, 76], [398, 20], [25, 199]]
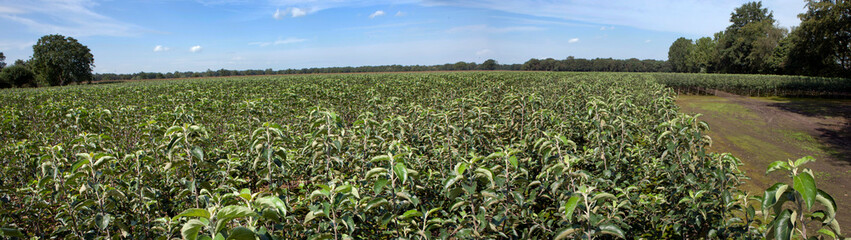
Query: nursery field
[[507, 155]]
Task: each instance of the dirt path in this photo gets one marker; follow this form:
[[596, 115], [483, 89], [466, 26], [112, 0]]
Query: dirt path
[[763, 130]]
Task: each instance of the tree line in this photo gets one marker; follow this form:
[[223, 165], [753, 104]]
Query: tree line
[[753, 43]]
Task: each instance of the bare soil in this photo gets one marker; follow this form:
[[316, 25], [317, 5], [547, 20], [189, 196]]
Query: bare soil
[[763, 130]]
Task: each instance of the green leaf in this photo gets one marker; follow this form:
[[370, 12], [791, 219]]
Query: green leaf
[[611, 229], [771, 195], [460, 168], [570, 206], [513, 161], [375, 203], [600, 196], [410, 213], [193, 212], [191, 228], [484, 172], [827, 232], [232, 212], [777, 165], [806, 186], [241, 233], [80, 163], [829, 204], [781, 227], [401, 172], [198, 153], [102, 221], [375, 171], [565, 233], [803, 160], [273, 202]]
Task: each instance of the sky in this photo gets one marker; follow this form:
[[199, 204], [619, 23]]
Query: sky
[[128, 36]]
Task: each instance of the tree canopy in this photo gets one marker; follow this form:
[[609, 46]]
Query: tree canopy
[[753, 43], [58, 60]]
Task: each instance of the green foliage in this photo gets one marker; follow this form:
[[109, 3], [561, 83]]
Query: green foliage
[[58, 61], [679, 53], [790, 221], [756, 85], [18, 76], [370, 156]]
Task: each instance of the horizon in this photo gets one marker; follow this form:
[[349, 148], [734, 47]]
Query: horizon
[[167, 36]]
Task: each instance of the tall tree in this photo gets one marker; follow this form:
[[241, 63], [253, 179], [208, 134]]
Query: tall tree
[[749, 41], [679, 54], [704, 57], [822, 43], [58, 60]]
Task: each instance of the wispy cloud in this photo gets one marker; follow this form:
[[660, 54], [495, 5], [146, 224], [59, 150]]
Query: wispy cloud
[[684, 16], [72, 17], [196, 48], [376, 14], [400, 14], [279, 42], [573, 40], [292, 11], [604, 28], [160, 48], [488, 29]]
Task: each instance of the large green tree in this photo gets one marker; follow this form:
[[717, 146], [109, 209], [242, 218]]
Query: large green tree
[[748, 43], [704, 57], [822, 43], [679, 54], [58, 60]]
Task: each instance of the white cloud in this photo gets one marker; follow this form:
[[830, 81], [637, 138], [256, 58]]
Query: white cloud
[[698, 17], [278, 14], [376, 14], [573, 40], [400, 14], [279, 42], [647, 41], [160, 48], [484, 52], [292, 11], [488, 29], [196, 48], [72, 17], [604, 28], [298, 12]]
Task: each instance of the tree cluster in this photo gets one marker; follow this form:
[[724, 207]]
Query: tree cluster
[[753, 43], [596, 65], [57, 60]]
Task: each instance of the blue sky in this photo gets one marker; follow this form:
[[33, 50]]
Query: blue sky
[[128, 36]]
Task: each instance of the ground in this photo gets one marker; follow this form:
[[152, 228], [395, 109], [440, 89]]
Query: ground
[[762, 130]]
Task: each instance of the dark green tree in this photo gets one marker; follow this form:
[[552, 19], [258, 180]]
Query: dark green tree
[[489, 64], [704, 58], [58, 60], [822, 43], [746, 45], [18, 75], [679, 54]]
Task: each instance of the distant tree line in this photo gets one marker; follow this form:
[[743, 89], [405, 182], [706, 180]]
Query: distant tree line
[[459, 66], [596, 65], [753, 43]]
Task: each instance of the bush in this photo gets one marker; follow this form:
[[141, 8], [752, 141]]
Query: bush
[[17, 76]]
